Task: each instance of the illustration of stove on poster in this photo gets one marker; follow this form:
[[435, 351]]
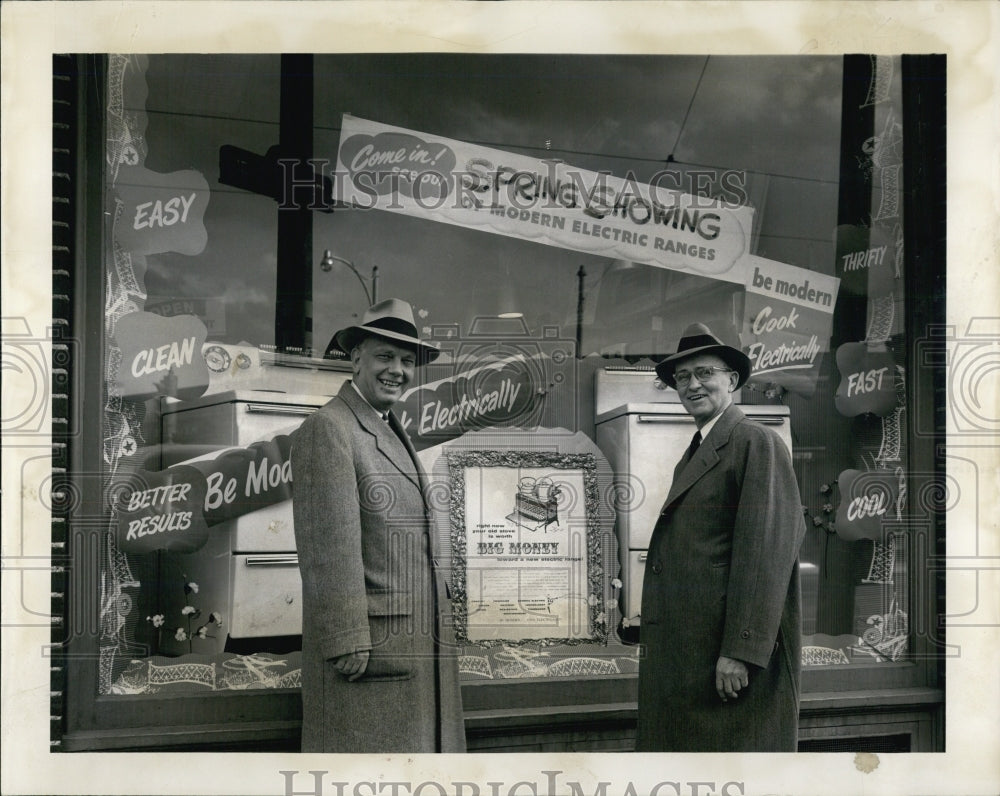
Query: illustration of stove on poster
[[787, 320], [522, 530]]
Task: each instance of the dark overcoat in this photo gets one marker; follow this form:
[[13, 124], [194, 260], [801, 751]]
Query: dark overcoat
[[722, 578], [366, 555]]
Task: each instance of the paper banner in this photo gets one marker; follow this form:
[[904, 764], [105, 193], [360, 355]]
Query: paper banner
[[787, 317], [546, 201]]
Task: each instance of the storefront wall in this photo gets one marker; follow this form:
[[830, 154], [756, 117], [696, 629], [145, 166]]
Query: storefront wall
[[196, 259]]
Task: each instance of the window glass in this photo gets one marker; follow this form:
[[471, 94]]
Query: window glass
[[192, 266]]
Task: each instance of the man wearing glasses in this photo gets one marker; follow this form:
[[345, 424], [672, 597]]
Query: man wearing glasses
[[721, 616]]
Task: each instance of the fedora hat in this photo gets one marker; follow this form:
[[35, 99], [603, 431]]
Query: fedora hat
[[698, 339], [392, 320]]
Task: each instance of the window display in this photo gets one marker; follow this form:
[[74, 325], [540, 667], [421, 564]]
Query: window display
[[554, 249]]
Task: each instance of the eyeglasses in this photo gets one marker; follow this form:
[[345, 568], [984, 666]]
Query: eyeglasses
[[683, 377]]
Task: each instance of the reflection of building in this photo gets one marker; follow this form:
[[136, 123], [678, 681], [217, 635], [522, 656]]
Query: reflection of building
[[667, 301]]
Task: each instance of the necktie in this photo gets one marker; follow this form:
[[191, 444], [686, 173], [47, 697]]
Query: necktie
[[693, 447]]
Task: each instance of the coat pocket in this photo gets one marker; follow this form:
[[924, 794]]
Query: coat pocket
[[381, 670], [390, 603]]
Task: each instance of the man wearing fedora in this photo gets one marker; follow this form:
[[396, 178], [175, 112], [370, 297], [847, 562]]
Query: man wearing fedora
[[377, 673], [721, 616]]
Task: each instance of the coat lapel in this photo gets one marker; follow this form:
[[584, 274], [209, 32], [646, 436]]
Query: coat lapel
[[706, 457], [392, 442], [401, 435]]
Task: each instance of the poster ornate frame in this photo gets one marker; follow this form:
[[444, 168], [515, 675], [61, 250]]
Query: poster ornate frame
[[585, 464]]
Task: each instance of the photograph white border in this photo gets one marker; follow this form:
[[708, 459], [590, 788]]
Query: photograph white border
[[966, 32]]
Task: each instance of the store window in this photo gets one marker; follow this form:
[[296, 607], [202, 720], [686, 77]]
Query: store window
[[815, 295]]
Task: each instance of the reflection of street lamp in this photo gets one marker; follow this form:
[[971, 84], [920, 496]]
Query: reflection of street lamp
[[327, 265]]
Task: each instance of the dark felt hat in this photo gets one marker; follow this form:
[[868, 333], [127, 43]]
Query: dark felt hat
[[698, 339], [392, 320]]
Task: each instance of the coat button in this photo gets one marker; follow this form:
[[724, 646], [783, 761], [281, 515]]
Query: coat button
[[745, 634], [657, 567]]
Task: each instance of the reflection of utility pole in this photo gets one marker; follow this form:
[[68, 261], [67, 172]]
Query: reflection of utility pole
[[287, 174], [579, 311], [326, 264], [293, 300]]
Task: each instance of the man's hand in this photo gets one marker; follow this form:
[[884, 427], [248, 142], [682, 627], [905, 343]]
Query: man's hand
[[730, 676], [352, 665]]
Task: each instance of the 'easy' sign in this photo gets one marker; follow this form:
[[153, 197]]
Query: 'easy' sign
[[161, 212]]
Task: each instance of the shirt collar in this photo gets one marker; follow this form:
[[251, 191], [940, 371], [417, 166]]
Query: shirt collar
[[708, 426], [383, 415]]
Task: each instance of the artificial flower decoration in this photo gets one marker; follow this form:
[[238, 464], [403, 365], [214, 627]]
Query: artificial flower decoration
[[189, 632]]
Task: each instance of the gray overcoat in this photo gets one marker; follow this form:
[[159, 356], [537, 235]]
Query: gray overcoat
[[722, 578], [366, 555]]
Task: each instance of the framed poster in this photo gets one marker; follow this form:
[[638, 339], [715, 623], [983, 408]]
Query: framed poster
[[525, 543]]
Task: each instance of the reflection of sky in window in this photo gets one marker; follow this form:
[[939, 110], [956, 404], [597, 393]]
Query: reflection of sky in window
[[775, 116]]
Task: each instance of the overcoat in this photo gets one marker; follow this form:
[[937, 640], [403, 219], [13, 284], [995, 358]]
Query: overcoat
[[367, 560], [722, 578]]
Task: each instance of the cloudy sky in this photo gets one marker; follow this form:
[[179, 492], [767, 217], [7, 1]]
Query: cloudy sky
[[776, 118]]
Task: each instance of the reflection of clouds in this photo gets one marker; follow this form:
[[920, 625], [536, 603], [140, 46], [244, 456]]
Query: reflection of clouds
[[247, 294], [789, 110], [779, 115]]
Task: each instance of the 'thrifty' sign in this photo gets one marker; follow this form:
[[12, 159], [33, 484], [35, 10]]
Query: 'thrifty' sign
[[786, 322]]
